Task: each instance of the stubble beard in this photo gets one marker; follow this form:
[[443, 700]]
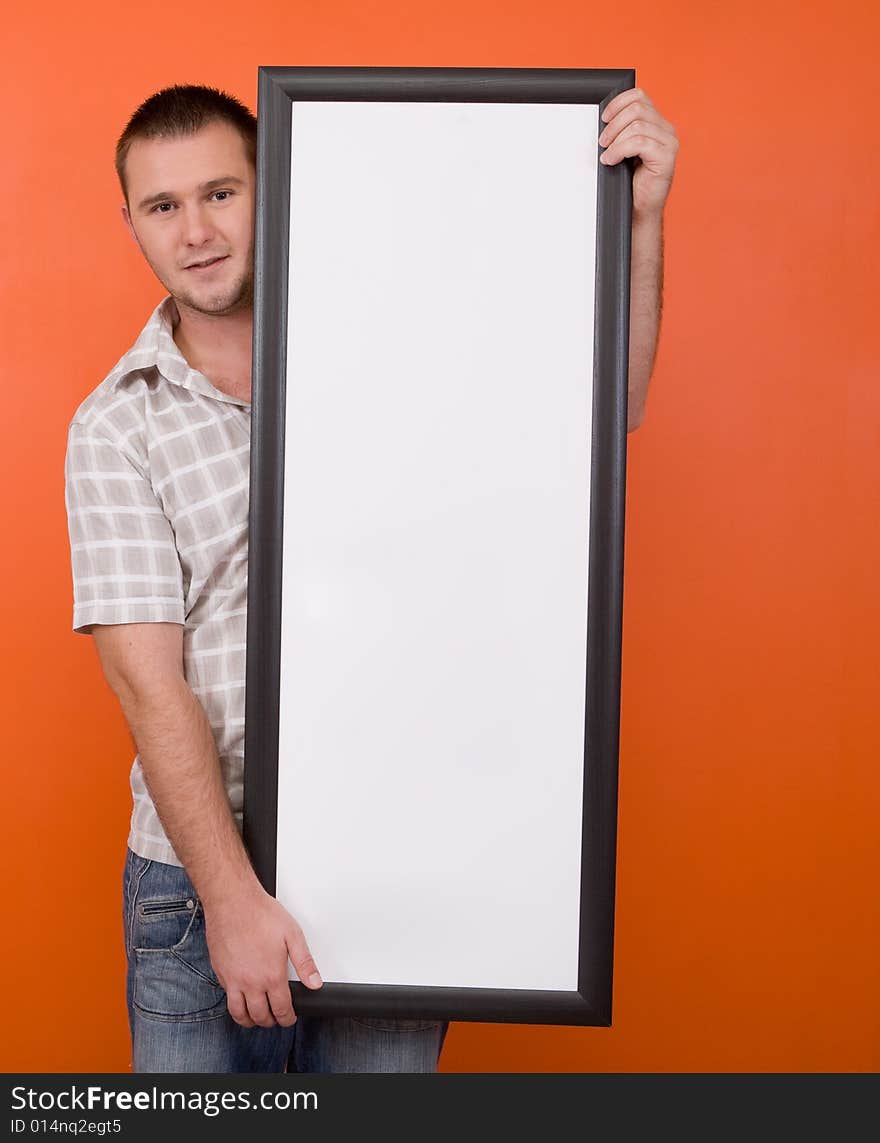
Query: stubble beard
[[235, 298]]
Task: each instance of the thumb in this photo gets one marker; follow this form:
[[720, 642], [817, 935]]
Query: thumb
[[302, 960]]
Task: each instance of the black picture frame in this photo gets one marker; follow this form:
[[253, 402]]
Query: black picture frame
[[279, 87]]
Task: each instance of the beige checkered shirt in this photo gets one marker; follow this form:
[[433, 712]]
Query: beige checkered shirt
[[157, 502]]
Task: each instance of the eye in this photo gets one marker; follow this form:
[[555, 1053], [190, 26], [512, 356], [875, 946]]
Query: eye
[[223, 195], [159, 208]]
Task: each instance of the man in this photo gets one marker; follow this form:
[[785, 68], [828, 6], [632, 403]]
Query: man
[[157, 498]]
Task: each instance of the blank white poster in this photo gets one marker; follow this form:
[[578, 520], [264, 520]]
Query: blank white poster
[[436, 519]]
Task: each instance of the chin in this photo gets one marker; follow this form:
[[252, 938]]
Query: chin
[[216, 304]]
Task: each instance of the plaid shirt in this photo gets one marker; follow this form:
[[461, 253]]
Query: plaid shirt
[[157, 481]]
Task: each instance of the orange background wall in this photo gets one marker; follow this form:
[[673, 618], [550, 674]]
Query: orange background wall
[[748, 926]]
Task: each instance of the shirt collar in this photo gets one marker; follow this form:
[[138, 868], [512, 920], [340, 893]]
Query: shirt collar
[[156, 347]]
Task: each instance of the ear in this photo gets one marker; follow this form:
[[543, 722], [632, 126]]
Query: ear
[[126, 218]]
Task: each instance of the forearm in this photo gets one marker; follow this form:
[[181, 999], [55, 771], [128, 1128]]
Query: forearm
[[182, 771], [251, 937], [646, 305]]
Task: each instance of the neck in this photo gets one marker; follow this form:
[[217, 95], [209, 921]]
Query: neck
[[220, 346]]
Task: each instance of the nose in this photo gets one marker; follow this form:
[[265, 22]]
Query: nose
[[196, 225]]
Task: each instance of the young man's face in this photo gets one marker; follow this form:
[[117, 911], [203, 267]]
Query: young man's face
[[191, 210]]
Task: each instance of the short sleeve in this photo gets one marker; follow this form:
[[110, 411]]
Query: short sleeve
[[124, 560]]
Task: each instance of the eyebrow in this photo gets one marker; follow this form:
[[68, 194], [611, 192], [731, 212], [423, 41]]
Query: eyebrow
[[212, 184]]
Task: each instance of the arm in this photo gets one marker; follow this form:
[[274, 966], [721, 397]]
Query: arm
[[250, 934], [633, 128], [646, 307]]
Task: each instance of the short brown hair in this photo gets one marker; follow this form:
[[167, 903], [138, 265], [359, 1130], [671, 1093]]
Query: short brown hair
[[183, 110]]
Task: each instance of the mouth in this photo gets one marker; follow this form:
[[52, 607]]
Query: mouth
[[207, 263]]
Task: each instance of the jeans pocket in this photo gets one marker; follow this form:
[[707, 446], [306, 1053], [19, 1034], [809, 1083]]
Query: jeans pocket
[[169, 988], [381, 1024], [173, 974], [162, 922]]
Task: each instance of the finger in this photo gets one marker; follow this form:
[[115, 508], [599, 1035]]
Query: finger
[[238, 1009], [624, 99], [635, 113], [258, 1009], [645, 131], [650, 151], [282, 1006], [302, 960]]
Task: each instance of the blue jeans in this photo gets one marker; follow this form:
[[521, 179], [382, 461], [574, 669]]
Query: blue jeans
[[177, 1009]]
